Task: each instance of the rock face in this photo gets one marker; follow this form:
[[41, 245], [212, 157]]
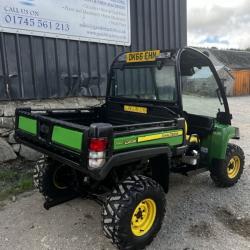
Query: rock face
[[11, 138], [7, 122], [29, 154], [5, 132], [6, 152], [16, 148]]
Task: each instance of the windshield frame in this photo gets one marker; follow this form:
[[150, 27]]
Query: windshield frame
[[222, 117]]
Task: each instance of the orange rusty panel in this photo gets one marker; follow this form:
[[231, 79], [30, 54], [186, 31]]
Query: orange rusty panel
[[242, 82]]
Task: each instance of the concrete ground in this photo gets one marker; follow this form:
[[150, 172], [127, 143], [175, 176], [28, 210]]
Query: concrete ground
[[199, 215]]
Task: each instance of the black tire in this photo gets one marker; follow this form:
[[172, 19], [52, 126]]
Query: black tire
[[220, 174], [53, 179], [120, 207]]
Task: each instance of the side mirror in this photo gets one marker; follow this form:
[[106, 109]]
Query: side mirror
[[187, 71]]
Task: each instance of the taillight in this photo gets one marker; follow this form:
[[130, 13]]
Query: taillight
[[97, 152], [98, 144]]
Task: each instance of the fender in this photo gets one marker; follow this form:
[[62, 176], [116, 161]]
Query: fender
[[215, 145], [120, 159]]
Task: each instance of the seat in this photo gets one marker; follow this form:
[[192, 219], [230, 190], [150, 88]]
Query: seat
[[193, 138]]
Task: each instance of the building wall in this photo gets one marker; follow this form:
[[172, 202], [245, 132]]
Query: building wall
[[242, 82], [40, 68]]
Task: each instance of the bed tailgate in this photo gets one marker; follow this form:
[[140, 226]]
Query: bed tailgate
[[65, 141]]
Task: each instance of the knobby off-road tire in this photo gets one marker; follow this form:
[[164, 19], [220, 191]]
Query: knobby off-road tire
[[229, 173], [52, 179], [127, 201]]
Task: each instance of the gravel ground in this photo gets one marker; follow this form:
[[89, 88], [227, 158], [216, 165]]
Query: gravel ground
[[199, 215]]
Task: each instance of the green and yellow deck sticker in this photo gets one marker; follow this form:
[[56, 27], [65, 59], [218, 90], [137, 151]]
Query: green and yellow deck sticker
[[145, 56], [170, 138], [135, 109], [160, 136]]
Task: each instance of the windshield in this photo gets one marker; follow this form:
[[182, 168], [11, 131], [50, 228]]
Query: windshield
[[145, 82]]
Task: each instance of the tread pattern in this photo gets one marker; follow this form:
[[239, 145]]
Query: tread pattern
[[217, 175], [43, 179], [120, 199], [39, 173]]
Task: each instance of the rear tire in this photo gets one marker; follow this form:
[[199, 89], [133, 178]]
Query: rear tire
[[229, 173], [53, 179], [134, 212]]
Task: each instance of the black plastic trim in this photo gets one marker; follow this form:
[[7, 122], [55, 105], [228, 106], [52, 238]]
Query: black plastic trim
[[132, 156]]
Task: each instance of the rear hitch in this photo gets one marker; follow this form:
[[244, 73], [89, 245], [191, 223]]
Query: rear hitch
[[49, 203]]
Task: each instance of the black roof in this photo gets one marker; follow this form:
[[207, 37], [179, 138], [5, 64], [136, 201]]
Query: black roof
[[231, 58]]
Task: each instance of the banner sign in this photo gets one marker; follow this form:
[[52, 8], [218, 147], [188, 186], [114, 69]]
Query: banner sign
[[101, 21]]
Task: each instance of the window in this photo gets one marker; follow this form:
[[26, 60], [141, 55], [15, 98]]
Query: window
[[166, 83], [146, 83], [200, 92]]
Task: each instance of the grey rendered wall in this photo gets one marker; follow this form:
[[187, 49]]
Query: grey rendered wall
[[38, 67]]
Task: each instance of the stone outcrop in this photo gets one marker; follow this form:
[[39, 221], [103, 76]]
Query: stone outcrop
[[29, 154], [6, 152]]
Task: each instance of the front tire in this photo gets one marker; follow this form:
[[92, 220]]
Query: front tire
[[53, 179], [229, 173], [134, 212]]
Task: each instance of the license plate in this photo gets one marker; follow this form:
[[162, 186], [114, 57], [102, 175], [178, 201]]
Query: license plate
[[135, 109], [145, 56]]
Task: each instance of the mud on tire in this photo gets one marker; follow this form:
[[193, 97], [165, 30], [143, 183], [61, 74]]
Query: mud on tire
[[52, 179], [120, 206]]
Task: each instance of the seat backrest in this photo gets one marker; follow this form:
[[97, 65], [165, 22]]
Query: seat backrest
[[200, 125]]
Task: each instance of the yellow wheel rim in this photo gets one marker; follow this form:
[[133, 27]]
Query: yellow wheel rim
[[233, 167], [143, 217]]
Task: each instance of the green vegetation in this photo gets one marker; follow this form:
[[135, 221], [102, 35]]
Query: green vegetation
[[14, 181]]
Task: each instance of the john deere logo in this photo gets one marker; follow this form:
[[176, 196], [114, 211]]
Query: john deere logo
[[28, 2]]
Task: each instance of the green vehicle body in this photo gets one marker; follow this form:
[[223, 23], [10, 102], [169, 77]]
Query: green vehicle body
[[28, 125], [64, 136], [121, 154], [67, 138], [216, 143], [149, 140]]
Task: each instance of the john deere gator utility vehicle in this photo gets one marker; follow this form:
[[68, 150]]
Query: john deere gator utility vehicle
[[165, 111]]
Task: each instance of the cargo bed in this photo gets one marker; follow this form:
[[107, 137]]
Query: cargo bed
[[64, 134]]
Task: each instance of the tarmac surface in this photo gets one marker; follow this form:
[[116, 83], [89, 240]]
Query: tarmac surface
[[199, 215]]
